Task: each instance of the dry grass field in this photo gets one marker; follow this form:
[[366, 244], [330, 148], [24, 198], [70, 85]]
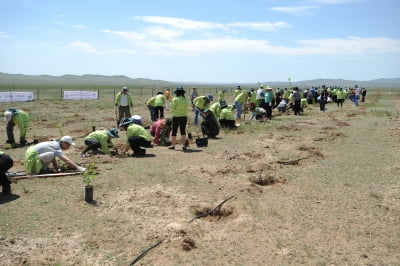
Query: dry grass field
[[322, 188]]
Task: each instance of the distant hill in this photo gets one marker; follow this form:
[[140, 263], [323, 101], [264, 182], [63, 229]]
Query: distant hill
[[102, 80], [85, 80]]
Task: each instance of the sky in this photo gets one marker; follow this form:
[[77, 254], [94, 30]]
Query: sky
[[211, 41]]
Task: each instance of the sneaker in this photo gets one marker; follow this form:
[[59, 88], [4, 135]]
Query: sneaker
[[171, 147], [184, 148]]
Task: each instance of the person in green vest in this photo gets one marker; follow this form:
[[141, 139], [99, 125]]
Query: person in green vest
[[237, 91], [221, 95], [159, 106], [18, 117], [340, 97], [239, 101], [227, 116], [5, 164], [123, 102], [150, 105], [179, 107], [137, 136], [200, 104], [100, 139]]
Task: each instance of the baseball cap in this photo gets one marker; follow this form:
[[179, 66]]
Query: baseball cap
[[67, 139]]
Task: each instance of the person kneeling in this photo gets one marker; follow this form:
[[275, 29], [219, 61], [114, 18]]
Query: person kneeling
[[100, 139], [39, 156], [227, 117], [137, 136]]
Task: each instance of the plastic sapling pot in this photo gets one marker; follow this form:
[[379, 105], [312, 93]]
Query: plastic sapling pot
[[88, 177]]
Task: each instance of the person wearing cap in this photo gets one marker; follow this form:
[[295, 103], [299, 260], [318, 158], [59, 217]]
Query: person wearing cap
[[38, 157], [179, 106], [237, 91], [5, 164], [200, 104], [100, 139], [18, 117], [123, 102], [137, 136]]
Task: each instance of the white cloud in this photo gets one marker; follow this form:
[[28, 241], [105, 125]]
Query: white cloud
[[180, 23], [163, 33], [129, 35], [187, 24], [336, 1], [3, 35], [80, 27], [84, 46], [352, 45], [293, 9], [269, 26]]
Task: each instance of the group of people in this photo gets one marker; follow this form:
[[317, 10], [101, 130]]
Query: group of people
[[163, 131]]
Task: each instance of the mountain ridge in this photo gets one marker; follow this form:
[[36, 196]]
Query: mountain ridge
[[121, 80]]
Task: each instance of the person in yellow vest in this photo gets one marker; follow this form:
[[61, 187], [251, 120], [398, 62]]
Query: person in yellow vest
[[137, 136], [200, 104], [340, 96], [14, 116], [221, 95], [100, 139], [123, 102], [151, 102], [5, 164], [159, 104]]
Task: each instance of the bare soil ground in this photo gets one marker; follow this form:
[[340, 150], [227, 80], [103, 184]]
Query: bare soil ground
[[318, 189]]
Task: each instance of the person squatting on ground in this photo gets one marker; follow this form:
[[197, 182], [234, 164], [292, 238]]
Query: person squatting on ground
[[100, 139], [161, 130], [5, 164], [179, 106], [137, 136], [123, 103], [39, 156], [227, 116], [209, 125], [18, 117], [200, 104], [159, 106]]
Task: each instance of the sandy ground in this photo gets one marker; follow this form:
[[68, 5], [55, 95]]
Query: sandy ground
[[318, 189]]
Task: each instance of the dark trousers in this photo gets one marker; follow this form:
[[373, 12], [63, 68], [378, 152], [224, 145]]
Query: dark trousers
[[10, 132], [297, 107], [91, 145], [268, 111], [136, 143], [322, 105], [5, 164], [179, 123], [158, 112]]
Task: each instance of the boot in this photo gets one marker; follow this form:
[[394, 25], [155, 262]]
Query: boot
[[6, 189], [22, 141]]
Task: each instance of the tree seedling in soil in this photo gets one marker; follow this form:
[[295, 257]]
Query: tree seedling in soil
[[88, 177]]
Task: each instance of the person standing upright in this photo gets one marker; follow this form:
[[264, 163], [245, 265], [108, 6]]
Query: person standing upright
[[179, 107], [159, 106], [123, 102]]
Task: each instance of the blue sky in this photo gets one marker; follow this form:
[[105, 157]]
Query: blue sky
[[202, 41]]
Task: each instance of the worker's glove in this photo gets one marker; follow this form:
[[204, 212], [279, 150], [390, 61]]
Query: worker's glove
[[81, 169]]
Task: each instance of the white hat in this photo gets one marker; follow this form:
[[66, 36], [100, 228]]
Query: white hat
[[7, 116], [67, 139], [137, 119]]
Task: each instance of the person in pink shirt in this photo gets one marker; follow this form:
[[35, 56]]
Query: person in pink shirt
[[161, 130]]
